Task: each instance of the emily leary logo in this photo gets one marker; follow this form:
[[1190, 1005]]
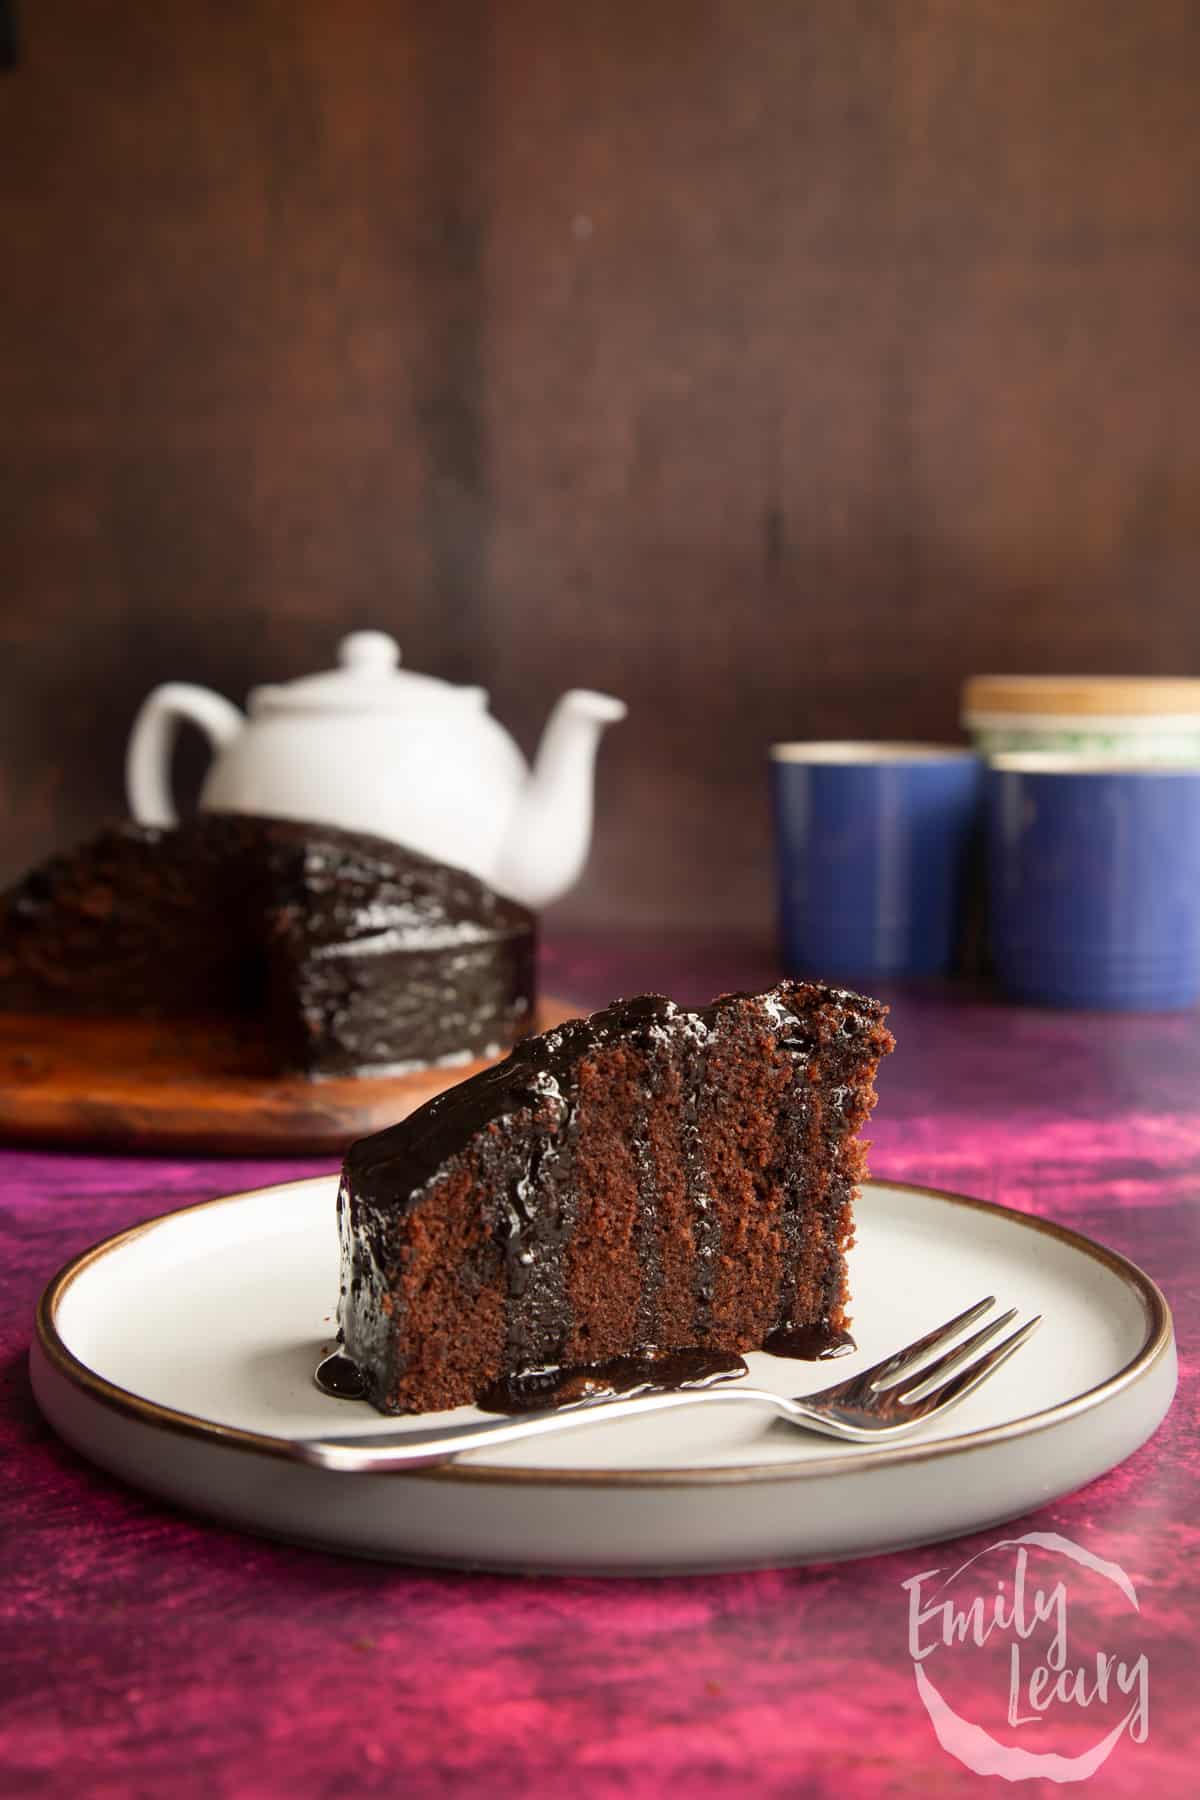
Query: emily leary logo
[[997, 1634]]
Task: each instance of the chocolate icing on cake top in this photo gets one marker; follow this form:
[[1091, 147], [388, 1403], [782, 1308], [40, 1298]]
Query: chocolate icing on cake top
[[395, 1164]]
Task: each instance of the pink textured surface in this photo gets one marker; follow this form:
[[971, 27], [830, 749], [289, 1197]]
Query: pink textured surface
[[146, 1653]]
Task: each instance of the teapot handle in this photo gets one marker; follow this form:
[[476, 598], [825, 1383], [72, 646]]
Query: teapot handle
[[148, 758]]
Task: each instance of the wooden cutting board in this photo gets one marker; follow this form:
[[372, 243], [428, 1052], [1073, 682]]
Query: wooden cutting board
[[146, 1085]]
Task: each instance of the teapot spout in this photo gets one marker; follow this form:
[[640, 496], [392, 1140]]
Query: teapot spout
[[548, 839]]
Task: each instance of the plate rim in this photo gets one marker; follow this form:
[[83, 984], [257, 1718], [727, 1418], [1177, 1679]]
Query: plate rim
[[1155, 1346]]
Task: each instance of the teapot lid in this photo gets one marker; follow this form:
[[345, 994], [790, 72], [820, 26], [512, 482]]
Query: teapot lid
[[368, 679]]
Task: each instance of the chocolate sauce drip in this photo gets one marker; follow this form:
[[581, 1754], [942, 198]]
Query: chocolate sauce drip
[[656, 1371], [522, 1232], [838, 1191], [816, 1139], [706, 1227], [795, 1123], [646, 1242], [809, 1343], [341, 1378], [538, 1221]]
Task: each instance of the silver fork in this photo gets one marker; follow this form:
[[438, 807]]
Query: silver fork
[[875, 1406]]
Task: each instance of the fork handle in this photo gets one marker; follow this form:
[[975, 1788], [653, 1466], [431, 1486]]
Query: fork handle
[[378, 1452]]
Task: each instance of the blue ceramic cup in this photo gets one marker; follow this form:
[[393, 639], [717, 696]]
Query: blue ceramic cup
[[873, 843], [1094, 881]]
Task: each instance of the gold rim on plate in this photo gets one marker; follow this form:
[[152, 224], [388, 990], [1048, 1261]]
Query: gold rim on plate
[[1156, 1344]]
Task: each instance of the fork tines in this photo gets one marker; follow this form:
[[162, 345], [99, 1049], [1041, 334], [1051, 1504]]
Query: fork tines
[[907, 1377]]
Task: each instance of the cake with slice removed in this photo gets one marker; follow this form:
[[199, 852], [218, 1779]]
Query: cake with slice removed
[[646, 1180], [334, 953]]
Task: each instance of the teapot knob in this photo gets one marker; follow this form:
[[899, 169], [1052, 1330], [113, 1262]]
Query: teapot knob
[[369, 653]]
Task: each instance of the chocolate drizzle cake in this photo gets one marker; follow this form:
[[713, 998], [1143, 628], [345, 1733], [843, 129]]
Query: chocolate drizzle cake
[[646, 1180], [344, 952]]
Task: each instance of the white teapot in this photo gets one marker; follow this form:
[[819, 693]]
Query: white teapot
[[373, 747]]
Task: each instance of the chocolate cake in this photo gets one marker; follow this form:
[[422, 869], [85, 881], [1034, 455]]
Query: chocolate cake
[[640, 1182], [343, 952]]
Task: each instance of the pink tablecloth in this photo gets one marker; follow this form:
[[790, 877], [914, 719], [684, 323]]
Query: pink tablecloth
[[145, 1653]]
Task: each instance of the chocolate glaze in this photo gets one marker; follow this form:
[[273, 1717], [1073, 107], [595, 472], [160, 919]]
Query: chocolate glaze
[[392, 1166], [646, 1240], [706, 1228], [654, 1370], [797, 1199], [340, 1378], [809, 1343], [535, 1225]]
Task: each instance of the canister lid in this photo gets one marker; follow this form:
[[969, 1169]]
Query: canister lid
[[1080, 696]]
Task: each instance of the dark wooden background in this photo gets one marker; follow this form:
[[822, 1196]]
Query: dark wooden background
[[771, 363]]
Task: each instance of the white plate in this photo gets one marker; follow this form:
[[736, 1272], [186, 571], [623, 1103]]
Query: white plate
[[180, 1353]]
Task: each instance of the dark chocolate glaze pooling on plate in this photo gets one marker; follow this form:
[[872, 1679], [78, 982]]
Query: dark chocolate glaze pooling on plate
[[340, 1378], [655, 1371], [809, 1343]]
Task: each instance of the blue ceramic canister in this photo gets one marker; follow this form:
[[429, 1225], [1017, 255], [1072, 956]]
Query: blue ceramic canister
[[1094, 881], [872, 849]]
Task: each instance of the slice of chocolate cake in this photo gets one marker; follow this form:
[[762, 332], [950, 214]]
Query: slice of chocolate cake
[[647, 1179], [343, 953]]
